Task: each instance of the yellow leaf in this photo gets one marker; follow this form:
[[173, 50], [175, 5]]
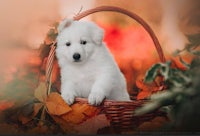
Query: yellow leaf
[[56, 105], [41, 92]]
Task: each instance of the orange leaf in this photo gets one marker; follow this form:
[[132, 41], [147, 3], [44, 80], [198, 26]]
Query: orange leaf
[[80, 112], [56, 105], [66, 126], [92, 125], [159, 88], [141, 85], [76, 116], [73, 117], [36, 108], [91, 111], [143, 95]]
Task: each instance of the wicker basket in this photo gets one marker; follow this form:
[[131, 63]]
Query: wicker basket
[[120, 113]]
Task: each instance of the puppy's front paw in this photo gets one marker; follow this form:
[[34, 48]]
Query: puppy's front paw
[[95, 98], [68, 97]]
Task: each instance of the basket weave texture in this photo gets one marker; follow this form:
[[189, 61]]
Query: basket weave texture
[[120, 113]]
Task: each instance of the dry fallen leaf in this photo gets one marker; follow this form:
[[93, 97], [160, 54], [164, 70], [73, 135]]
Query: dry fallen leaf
[[36, 108], [41, 92], [91, 111], [143, 95], [68, 117], [80, 112], [75, 116], [140, 84], [56, 105], [147, 89], [92, 125], [66, 126]]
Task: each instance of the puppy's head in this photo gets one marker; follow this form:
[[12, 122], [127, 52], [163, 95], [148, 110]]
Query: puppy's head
[[77, 40]]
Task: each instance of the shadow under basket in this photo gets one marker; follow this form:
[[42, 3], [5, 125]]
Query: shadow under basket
[[120, 113]]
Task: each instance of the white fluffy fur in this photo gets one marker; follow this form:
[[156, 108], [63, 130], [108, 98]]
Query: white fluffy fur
[[96, 76]]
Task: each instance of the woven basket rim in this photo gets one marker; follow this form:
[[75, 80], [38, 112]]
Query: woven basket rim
[[114, 102]]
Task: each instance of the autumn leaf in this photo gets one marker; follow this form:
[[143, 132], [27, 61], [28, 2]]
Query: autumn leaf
[[143, 95], [91, 111], [92, 125], [36, 108], [147, 89], [141, 85], [56, 105], [63, 114], [41, 92], [86, 109], [74, 117], [66, 126], [80, 112], [24, 119]]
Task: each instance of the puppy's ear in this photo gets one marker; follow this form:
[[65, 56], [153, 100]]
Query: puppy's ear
[[63, 24], [98, 34]]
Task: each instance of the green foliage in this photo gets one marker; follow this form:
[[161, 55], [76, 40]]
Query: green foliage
[[52, 33], [152, 73], [182, 96], [24, 80]]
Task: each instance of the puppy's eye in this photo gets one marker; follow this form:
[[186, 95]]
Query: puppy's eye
[[68, 44], [83, 42]]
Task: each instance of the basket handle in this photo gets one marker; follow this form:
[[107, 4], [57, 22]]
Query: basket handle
[[51, 56], [133, 16]]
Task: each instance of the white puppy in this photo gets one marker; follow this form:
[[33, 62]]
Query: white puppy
[[87, 67]]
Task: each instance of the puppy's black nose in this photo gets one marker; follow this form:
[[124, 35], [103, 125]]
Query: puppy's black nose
[[76, 56]]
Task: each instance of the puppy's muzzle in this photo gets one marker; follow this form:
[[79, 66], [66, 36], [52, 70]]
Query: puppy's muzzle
[[76, 57]]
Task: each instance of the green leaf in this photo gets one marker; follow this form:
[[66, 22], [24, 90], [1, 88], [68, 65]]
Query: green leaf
[[162, 95], [146, 108], [194, 52], [194, 39], [152, 73], [165, 70], [195, 63]]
